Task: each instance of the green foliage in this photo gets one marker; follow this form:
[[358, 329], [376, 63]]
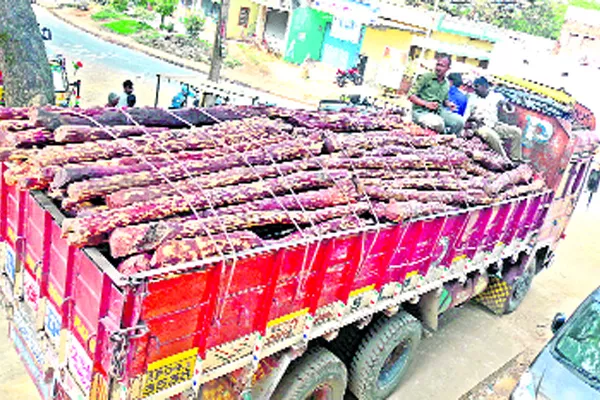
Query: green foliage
[[170, 27], [232, 63], [143, 14], [165, 8], [194, 24], [127, 26], [106, 14], [120, 5]]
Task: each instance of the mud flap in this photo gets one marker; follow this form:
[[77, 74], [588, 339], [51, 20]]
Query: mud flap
[[495, 297]]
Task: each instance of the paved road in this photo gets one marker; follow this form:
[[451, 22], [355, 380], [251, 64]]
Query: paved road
[[107, 65]]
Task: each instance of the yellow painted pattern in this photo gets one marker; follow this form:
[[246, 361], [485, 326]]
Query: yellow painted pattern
[[495, 295], [11, 234], [411, 274], [287, 317], [172, 359], [538, 88], [362, 290], [170, 371], [54, 295], [30, 263], [459, 258], [81, 329]]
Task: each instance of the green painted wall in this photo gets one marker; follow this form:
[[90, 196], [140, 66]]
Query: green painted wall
[[307, 31]]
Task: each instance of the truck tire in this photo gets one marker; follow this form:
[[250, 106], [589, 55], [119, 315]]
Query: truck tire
[[318, 374], [384, 356], [345, 345], [519, 288]]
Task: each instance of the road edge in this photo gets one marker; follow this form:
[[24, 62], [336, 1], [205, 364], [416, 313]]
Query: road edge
[[160, 55]]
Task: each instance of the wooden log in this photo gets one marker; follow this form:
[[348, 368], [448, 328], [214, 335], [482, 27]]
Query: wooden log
[[403, 161], [522, 174], [186, 250], [125, 197], [79, 230], [9, 113], [536, 186], [428, 183], [147, 237], [69, 173], [398, 211], [28, 138], [372, 140], [459, 198], [280, 152], [145, 116], [80, 134]]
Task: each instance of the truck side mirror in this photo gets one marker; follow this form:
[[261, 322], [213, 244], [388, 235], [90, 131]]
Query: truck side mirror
[[558, 321]]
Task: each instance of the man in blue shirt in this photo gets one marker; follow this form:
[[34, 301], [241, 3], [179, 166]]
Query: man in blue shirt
[[455, 95]]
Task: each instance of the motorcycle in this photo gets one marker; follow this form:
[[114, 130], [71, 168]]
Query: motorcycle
[[351, 74]]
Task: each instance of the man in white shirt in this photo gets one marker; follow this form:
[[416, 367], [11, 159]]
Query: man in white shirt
[[127, 98], [483, 108]]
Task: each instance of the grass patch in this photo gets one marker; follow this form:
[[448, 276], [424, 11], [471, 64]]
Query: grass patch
[[107, 14], [127, 26]]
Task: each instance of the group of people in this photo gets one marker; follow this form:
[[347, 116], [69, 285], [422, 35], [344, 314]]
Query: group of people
[[125, 99], [441, 105]]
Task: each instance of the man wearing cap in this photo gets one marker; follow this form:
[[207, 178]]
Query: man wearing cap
[[482, 108], [429, 95]]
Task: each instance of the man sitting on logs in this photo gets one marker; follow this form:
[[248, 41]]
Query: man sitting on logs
[[482, 115], [429, 95]]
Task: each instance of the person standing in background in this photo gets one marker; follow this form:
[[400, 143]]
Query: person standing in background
[[127, 99]]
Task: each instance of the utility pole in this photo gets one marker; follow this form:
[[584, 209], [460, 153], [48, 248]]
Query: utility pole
[[216, 61]]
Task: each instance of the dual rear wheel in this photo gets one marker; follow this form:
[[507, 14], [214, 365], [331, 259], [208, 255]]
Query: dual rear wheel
[[376, 360]]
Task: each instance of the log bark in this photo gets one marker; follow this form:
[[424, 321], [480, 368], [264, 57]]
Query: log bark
[[80, 134], [402, 161], [459, 198], [335, 225], [522, 174], [186, 250], [232, 176], [281, 152], [79, 230], [145, 116], [147, 237], [520, 190], [398, 211], [428, 183], [28, 138], [23, 59], [371, 140], [69, 173], [14, 113]]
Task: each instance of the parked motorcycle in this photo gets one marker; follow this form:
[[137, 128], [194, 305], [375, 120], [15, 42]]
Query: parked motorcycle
[[353, 75]]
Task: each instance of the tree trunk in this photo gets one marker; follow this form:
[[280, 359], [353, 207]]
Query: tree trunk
[[23, 60], [216, 61]]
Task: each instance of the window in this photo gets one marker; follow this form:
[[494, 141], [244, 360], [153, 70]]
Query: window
[[579, 345], [244, 17], [484, 64]]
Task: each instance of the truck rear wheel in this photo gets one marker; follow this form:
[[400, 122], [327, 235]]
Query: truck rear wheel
[[384, 355], [318, 375]]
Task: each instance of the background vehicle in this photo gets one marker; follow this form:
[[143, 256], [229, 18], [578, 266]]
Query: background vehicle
[[341, 310], [569, 365]]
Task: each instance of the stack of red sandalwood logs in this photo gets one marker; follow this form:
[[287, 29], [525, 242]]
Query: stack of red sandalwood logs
[[162, 188]]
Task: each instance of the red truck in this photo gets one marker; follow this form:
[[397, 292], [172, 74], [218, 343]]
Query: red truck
[[311, 319]]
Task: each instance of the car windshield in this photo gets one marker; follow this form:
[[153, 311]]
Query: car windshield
[[579, 345]]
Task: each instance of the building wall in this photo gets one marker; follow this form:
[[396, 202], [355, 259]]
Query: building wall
[[580, 41], [374, 45], [234, 30], [306, 34], [462, 40]]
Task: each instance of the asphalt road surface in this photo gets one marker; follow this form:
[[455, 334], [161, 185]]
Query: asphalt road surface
[[107, 65]]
